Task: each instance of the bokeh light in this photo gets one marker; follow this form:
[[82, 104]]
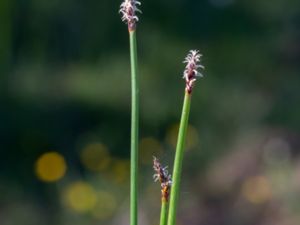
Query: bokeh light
[[119, 171], [192, 138], [257, 189], [80, 197], [149, 147], [105, 206], [95, 157], [50, 167]]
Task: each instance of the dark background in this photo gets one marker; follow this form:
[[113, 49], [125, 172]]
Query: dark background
[[65, 92]]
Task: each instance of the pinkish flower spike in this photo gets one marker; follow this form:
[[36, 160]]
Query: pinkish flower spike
[[191, 69], [128, 8]]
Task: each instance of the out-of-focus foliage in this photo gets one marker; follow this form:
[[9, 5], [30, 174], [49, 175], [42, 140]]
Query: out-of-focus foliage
[[65, 111]]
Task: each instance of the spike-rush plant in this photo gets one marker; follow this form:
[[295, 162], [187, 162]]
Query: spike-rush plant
[[128, 9], [161, 175], [190, 74]]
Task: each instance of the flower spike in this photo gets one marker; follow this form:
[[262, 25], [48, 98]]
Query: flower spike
[[191, 69], [162, 175], [128, 9]]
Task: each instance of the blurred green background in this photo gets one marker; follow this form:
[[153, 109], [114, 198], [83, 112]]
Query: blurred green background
[[65, 111]]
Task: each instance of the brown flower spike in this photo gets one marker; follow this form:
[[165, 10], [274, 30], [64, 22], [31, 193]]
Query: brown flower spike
[[191, 69], [161, 175], [128, 10]]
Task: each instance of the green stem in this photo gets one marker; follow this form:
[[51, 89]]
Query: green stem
[[164, 212], [134, 130], [179, 158]]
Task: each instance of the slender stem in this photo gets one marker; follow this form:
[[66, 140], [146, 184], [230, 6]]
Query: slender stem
[[164, 212], [134, 130], [179, 158]]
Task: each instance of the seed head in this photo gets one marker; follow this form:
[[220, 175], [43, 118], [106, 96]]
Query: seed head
[[161, 175], [128, 9], [191, 69]]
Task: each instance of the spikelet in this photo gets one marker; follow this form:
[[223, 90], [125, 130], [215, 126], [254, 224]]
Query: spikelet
[[162, 175], [191, 69], [128, 9]]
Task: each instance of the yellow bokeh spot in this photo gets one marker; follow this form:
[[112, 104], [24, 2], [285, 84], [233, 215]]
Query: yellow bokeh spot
[[149, 147], [80, 197], [120, 170], [192, 138], [106, 205], [257, 190], [50, 167], [95, 157]]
